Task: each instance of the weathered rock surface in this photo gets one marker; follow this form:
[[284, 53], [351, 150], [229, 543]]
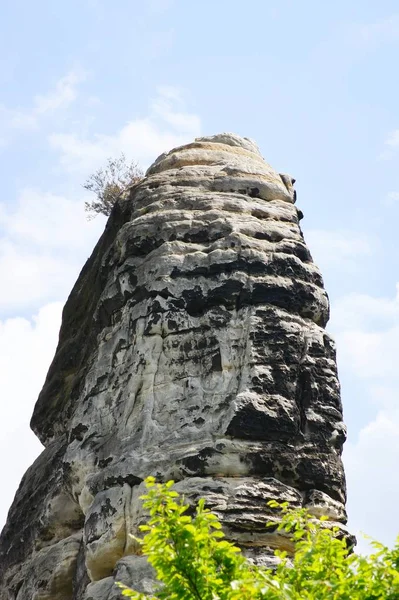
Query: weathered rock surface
[[192, 347]]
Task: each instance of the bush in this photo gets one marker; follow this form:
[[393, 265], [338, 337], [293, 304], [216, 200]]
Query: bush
[[193, 561], [109, 182]]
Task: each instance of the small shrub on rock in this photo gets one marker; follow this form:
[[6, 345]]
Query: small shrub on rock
[[107, 183]]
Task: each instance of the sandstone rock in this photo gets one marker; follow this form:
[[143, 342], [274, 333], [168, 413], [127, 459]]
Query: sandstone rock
[[192, 347]]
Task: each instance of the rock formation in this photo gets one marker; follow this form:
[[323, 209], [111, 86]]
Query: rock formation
[[192, 347]]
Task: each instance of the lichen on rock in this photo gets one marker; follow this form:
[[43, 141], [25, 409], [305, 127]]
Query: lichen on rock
[[192, 347]]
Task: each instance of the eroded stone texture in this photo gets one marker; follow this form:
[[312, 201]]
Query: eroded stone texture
[[192, 347]]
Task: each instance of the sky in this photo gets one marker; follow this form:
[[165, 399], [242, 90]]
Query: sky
[[315, 84]]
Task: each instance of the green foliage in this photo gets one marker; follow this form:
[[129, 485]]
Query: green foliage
[[193, 561], [109, 182]]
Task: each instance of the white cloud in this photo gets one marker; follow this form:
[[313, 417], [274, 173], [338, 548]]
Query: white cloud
[[371, 465], [46, 220], [382, 31], [16, 119], [26, 349], [141, 139], [158, 7], [393, 139], [44, 241], [332, 248], [169, 105], [44, 105], [64, 93], [29, 278], [391, 143], [366, 329], [391, 199], [360, 312]]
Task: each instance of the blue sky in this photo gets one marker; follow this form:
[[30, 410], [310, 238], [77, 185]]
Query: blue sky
[[315, 84]]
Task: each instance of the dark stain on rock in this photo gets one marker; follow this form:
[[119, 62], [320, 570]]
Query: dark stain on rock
[[217, 361], [112, 481], [104, 462], [77, 433], [196, 464], [253, 423]]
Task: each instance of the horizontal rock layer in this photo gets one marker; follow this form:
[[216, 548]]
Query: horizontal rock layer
[[192, 347]]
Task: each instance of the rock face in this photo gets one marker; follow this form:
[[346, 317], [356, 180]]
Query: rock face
[[192, 347]]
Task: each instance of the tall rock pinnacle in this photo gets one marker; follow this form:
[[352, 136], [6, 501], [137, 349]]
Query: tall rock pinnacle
[[192, 347]]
